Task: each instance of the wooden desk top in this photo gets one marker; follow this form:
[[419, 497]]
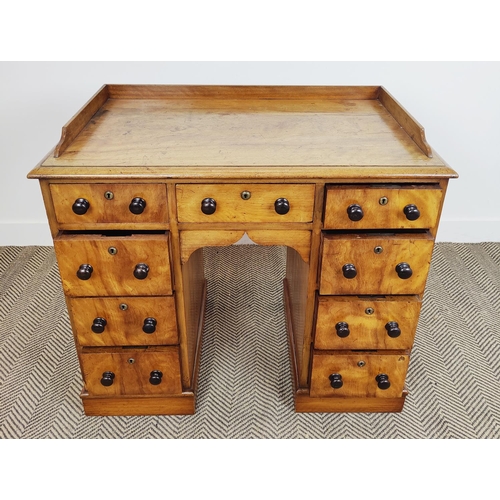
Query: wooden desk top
[[194, 132]]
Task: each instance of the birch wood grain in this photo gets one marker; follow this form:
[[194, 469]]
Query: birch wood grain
[[132, 370], [108, 211], [359, 371], [376, 214], [113, 275], [124, 326], [366, 318], [376, 272], [193, 240], [231, 207]]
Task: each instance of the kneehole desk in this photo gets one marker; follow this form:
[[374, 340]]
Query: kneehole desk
[[145, 176]]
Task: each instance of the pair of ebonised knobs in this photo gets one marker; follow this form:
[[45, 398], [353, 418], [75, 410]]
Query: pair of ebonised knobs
[[403, 269], [355, 212], [382, 381], [85, 271], [209, 206], [81, 206], [392, 328], [154, 378], [99, 325]]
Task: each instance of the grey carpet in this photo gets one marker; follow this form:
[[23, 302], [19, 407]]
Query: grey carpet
[[245, 383]]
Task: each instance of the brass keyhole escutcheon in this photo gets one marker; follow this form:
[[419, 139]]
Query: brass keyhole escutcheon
[[246, 195], [378, 249], [384, 200], [130, 361], [109, 195], [112, 250], [361, 363], [123, 307], [369, 310]]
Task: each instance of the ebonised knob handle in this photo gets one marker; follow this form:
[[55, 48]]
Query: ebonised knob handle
[[85, 272], [208, 206], [282, 206], [98, 325], [349, 271], [411, 212], [137, 205], [107, 378], [404, 270], [141, 271], [383, 381], [336, 380], [355, 212], [342, 329], [149, 325], [393, 329], [155, 377], [81, 206]]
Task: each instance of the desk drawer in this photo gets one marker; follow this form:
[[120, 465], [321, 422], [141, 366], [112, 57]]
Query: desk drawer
[[93, 265], [387, 207], [245, 202], [366, 322], [375, 264], [131, 371], [109, 203], [358, 374], [121, 321]]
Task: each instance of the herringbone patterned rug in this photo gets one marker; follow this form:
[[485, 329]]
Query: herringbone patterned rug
[[245, 383]]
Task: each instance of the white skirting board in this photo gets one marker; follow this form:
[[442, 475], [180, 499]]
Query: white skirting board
[[456, 231], [25, 234], [468, 231]]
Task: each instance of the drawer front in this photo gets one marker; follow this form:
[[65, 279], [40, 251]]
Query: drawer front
[[388, 207], [124, 321], [139, 265], [358, 375], [230, 203], [366, 323], [131, 371], [110, 203], [375, 264]]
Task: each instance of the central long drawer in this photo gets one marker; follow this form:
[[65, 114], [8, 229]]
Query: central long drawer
[[245, 202]]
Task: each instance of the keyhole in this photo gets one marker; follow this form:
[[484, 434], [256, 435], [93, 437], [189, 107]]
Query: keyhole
[[384, 200], [123, 307], [112, 250], [130, 361], [245, 195], [109, 195]]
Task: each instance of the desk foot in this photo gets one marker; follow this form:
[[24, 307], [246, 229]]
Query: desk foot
[[183, 404], [306, 404]]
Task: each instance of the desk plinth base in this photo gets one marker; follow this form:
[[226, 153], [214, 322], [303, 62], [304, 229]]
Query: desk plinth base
[[183, 404], [306, 404]]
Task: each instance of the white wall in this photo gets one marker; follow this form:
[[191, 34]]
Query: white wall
[[457, 103]]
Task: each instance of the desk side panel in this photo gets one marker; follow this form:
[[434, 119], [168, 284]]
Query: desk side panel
[[297, 274]]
